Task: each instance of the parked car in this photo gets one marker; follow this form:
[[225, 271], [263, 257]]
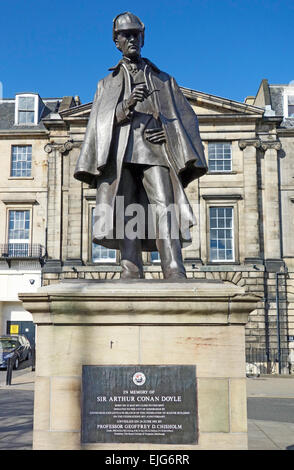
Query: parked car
[[11, 345]]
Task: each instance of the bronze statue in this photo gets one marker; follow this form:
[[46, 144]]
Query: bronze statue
[[142, 145]]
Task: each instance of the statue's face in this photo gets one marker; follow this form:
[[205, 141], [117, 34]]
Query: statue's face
[[129, 42]]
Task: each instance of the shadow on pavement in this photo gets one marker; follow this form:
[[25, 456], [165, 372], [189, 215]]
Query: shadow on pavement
[[16, 419]]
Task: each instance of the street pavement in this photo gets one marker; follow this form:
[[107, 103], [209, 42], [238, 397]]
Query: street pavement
[[16, 410], [270, 407], [270, 412]]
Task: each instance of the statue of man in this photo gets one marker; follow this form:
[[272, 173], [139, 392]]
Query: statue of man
[[142, 145]]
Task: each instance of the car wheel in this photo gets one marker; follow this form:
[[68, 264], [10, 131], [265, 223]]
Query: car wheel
[[16, 364]]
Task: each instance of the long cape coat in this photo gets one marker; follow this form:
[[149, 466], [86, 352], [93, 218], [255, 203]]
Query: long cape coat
[[101, 158]]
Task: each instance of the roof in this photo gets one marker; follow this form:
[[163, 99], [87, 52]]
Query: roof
[[7, 110], [49, 106], [272, 94]]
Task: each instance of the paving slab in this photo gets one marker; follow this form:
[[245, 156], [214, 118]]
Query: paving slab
[[271, 386], [270, 435]]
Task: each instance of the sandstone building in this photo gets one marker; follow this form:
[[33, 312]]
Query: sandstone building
[[23, 202], [244, 206]]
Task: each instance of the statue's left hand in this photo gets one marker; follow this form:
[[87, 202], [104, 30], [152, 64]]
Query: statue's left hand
[[155, 136]]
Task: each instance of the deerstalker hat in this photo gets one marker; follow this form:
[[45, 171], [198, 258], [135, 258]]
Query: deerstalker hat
[[125, 21]]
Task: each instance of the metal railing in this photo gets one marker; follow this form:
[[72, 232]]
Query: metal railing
[[21, 250], [272, 361]]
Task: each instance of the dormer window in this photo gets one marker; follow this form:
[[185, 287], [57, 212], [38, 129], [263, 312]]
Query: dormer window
[[26, 109], [289, 102], [291, 106]]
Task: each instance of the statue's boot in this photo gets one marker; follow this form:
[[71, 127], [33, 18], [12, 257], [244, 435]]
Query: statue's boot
[[174, 276], [130, 270], [171, 259], [131, 259]]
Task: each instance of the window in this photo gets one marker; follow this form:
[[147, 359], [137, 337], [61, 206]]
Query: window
[[27, 109], [21, 160], [101, 254], [18, 232], [289, 102], [154, 257], [291, 106], [221, 233], [219, 156]]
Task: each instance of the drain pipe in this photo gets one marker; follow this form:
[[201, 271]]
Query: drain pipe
[[278, 321]]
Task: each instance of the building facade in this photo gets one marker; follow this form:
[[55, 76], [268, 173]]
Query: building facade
[[278, 100], [23, 202], [243, 207]]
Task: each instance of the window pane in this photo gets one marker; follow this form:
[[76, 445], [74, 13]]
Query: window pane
[[221, 244], [213, 222], [214, 233], [229, 244], [221, 255], [155, 257], [291, 111], [213, 253], [228, 234], [220, 212], [213, 212], [26, 103], [221, 222], [221, 235], [26, 117]]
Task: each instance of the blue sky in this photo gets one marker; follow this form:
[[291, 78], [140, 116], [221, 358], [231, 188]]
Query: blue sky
[[223, 47]]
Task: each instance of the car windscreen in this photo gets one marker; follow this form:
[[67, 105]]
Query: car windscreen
[[8, 343]]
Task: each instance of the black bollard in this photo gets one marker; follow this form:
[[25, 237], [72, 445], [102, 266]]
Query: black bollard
[[10, 362], [33, 358]]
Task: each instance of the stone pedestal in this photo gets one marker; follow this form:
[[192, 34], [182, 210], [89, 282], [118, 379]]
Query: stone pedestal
[[140, 323]]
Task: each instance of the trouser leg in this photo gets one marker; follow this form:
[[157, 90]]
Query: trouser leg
[[131, 250], [158, 186]]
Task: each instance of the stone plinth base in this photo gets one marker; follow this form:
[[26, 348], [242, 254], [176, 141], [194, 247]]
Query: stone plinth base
[[136, 323]]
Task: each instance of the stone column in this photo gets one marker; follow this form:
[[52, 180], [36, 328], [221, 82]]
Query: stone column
[[251, 200], [55, 201], [192, 253], [271, 210], [72, 193]]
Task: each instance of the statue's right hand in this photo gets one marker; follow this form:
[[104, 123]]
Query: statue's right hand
[[139, 93]]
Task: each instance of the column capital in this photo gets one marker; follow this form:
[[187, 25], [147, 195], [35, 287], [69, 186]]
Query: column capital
[[250, 142], [271, 144], [62, 148]]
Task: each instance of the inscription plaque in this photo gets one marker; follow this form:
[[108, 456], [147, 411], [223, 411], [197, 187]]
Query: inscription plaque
[[139, 404]]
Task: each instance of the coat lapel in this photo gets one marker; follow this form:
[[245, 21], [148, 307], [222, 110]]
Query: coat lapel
[[108, 99]]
